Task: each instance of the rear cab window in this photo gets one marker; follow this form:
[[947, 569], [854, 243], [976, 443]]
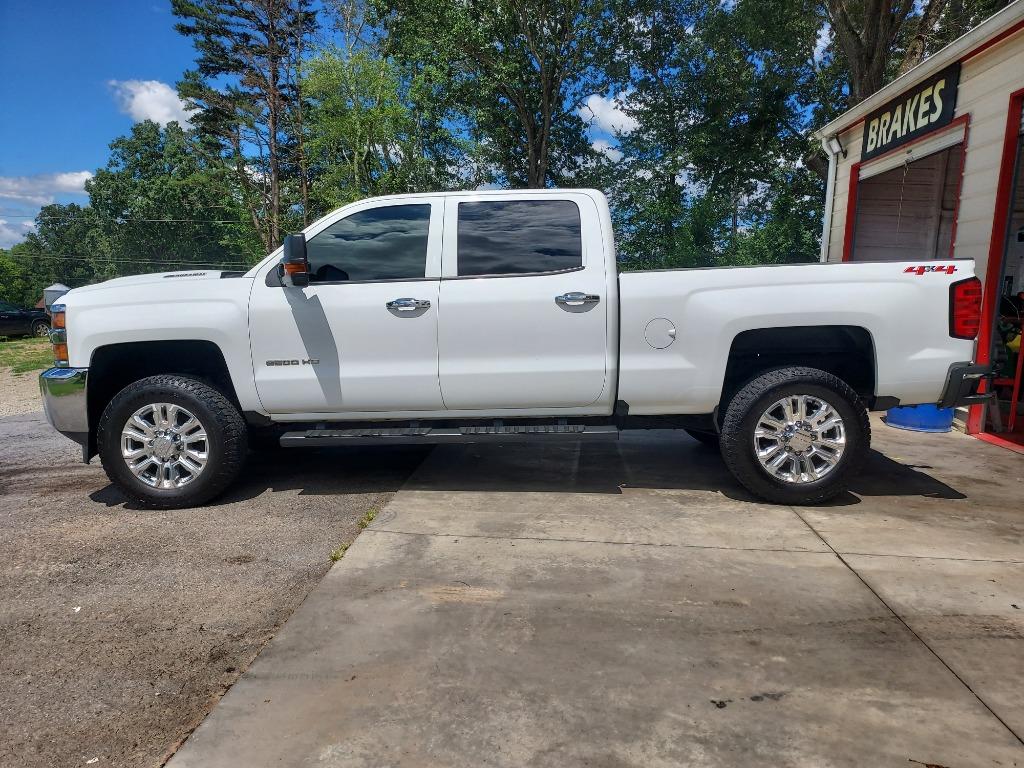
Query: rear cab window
[[518, 237]]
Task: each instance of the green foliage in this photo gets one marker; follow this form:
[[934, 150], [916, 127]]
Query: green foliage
[[16, 279], [246, 88], [723, 133], [365, 138], [161, 199], [510, 72], [62, 249]]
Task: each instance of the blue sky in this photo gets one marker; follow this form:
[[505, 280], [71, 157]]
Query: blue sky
[[74, 76]]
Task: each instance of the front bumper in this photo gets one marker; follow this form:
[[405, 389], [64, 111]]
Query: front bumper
[[962, 383], [64, 402]]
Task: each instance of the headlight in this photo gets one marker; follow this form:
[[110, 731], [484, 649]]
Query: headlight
[[59, 335]]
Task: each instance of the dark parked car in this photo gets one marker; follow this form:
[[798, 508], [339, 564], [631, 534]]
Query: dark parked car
[[19, 321]]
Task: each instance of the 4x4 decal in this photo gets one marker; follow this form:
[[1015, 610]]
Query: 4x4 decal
[[949, 269]]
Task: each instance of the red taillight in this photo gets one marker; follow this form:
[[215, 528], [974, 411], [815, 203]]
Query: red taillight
[[965, 308]]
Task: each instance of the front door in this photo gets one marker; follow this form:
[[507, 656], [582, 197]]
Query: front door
[[524, 303], [363, 336]]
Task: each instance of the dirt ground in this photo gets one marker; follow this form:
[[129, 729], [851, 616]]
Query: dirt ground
[[19, 393], [121, 627]]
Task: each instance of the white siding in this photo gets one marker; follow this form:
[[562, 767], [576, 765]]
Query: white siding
[[986, 82], [851, 141], [986, 85]]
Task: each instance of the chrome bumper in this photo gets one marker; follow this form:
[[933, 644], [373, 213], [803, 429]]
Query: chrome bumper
[[64, 402]]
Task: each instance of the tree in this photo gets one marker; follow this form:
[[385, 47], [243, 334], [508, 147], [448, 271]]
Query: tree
[[15, 280], [65, 247], [881, 39], [365, 137], [867, 31], [245, 86], [512, 71], [161, 202], [723, 120]]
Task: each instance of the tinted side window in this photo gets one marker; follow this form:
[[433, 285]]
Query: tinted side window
[[515, 236], [388, 243]]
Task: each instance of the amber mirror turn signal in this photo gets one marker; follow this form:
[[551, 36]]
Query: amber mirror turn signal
[[294, 269]]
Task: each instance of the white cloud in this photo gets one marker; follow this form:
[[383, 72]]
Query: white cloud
[[150, 100], [824, 38], [605, 148], [43, 188], [11, 233], [607, 114]]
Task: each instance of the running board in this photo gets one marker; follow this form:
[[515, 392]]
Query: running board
[[506, 433]]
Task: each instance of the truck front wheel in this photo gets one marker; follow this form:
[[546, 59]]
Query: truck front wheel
[[795, 436], [171, 441]]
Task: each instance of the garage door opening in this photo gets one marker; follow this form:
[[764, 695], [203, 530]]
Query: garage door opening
[[1005, 415], [908, 212]]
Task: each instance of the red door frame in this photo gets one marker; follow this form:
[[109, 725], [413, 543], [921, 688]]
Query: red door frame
[[997, 245], [851, 195]]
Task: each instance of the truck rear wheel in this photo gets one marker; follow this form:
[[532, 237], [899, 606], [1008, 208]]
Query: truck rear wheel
[[171, 441], [795, 436]]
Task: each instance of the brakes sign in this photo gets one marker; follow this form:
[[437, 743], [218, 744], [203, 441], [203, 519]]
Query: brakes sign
[[949, 269]]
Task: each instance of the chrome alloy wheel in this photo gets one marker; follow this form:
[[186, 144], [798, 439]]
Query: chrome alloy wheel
[[799, 439], [164, 445]]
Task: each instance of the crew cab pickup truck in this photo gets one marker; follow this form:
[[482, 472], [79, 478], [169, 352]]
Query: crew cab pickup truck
[[500, 316]]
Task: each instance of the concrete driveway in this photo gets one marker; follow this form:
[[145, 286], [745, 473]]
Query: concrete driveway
[[626, 605]]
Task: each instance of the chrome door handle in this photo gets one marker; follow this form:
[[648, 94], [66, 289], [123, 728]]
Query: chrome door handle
[[407, 305], [576, 299]]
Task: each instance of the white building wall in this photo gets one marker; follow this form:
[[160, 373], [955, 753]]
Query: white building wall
[[986, 82]]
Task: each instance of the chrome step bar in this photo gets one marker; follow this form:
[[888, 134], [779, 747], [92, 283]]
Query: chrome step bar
[[498, 433]]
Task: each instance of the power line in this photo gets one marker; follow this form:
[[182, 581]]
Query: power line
[[125, 221], [111, 260]]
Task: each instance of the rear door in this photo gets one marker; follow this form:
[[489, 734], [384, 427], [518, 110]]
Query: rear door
[[523, 322]]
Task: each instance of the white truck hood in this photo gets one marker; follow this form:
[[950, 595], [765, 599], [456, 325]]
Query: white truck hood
[[167, 278]]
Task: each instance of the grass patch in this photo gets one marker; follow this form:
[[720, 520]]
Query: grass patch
[[25, 355], [367, 518]]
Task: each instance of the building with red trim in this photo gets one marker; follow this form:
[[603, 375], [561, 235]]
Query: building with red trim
[[931, 168]]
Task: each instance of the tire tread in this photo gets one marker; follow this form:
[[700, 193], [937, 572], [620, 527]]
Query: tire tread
[[733, 441], [227, 417]]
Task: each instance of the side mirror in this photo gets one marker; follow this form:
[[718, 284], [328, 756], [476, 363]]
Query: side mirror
[[294, 268]]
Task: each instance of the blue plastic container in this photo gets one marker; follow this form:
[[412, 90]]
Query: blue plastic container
[[921, 418]]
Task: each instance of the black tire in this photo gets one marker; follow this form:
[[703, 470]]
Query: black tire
[[705, 438], [746, 408], [40, 328], [226, 446]]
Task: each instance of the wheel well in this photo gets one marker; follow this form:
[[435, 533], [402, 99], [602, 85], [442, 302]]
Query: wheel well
[[114, 367], [845, 351]]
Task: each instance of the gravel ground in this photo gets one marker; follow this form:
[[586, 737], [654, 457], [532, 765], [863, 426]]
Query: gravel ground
[[19, 393], [120, 627]]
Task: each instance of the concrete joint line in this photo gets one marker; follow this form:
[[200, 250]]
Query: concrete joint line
[[830, 553], [910, 629], [932, 557]]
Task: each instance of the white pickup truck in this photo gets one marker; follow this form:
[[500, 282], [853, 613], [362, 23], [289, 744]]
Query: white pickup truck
[[500, 316]]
